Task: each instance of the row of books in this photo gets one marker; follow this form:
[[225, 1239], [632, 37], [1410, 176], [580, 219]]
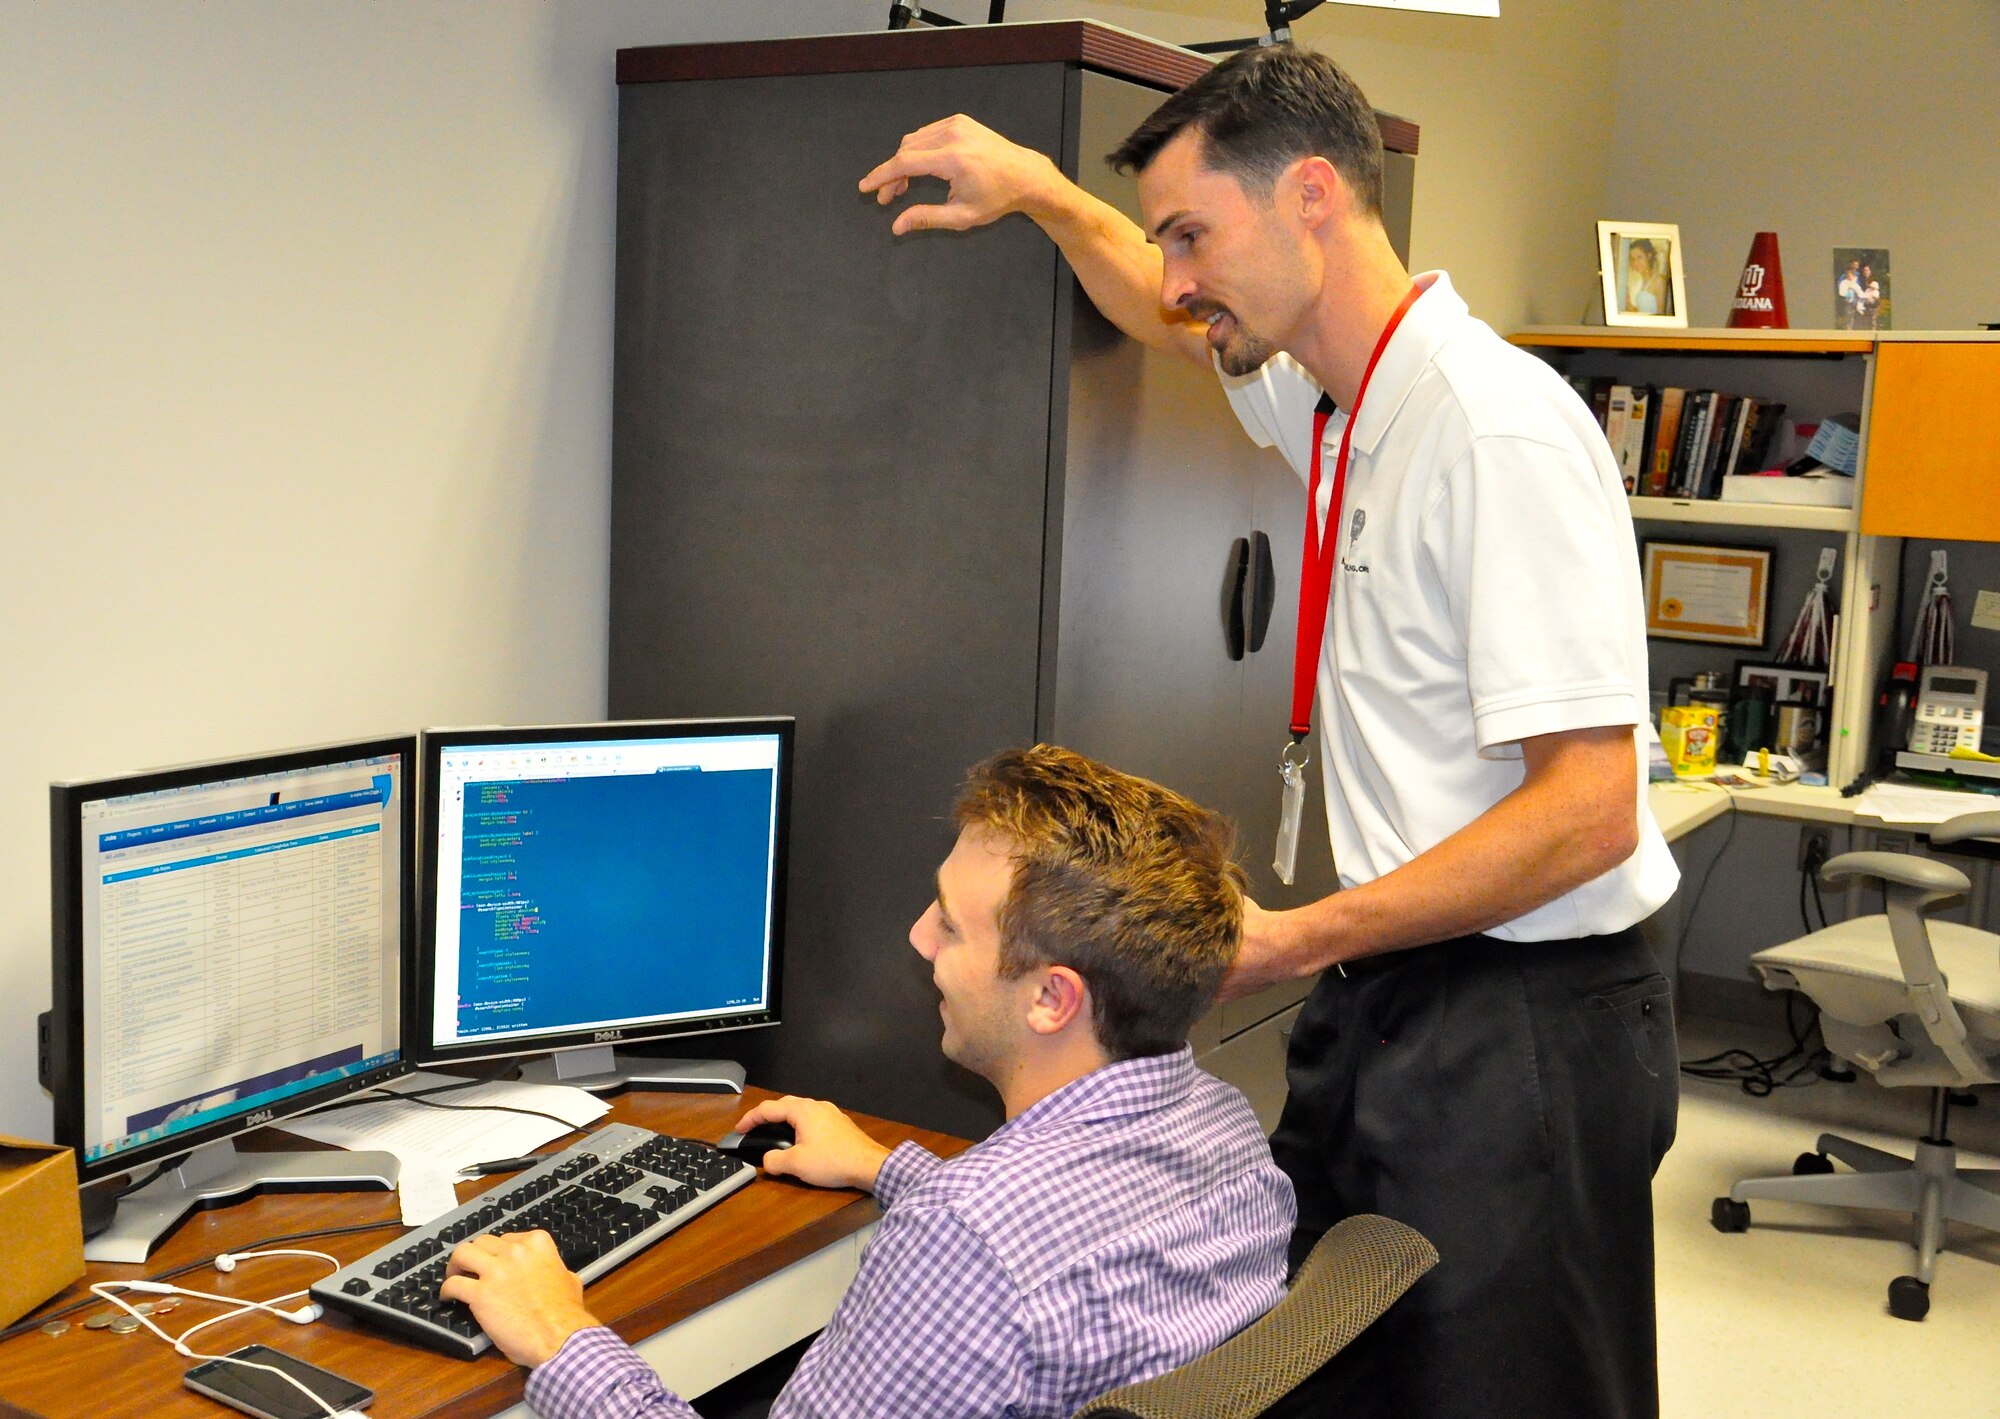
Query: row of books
[[1681, 443]]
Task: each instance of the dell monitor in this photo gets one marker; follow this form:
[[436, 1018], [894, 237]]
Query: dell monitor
[[588, 887], [229, 946]]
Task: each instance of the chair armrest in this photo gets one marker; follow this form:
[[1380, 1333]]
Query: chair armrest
[[1984, 824], [1935, 879], [1910, 884]]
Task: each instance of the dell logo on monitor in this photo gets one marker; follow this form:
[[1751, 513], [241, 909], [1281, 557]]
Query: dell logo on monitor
[[602, 1035], [259, 1117]]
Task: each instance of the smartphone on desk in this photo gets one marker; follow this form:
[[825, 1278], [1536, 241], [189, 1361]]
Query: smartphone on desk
[[269, 1396]]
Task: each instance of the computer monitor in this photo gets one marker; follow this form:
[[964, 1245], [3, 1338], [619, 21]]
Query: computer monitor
[[593, 886], [229, 945]]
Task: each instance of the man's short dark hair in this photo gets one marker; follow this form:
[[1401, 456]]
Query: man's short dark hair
[[1260, 111], [1127, 883]]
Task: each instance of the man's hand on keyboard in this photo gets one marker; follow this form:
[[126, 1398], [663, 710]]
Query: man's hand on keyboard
[[520, 1292], [830, 1151]]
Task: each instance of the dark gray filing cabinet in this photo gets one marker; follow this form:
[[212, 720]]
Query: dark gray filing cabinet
[[919, 494]]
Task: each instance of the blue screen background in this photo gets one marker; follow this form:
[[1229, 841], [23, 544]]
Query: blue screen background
[[610, 898]]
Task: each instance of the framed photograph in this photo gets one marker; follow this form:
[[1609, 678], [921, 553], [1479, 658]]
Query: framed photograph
[[1861, 288], [1801, 725], [1719, 595], [1784, 683], [1640, 264]]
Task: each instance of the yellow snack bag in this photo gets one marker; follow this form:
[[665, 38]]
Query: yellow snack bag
[[1689, 734]]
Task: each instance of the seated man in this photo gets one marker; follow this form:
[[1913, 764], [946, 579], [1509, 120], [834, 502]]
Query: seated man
[[1125, 1218]]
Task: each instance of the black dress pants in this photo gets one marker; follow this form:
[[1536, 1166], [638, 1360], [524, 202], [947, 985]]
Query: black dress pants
[[1511, 1101]]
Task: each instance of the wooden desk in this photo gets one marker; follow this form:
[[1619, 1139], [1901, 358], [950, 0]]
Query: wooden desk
[[774, 1255]]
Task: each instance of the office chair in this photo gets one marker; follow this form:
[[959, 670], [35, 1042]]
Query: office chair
[[1353, 1274], [1913, 1002]]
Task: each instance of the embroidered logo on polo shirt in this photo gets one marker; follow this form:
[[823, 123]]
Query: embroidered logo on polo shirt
[[1354, 526]]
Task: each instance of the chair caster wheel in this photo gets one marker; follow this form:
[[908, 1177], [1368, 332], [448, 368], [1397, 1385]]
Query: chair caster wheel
[[1809, 1163], [1909, 1298], [1728, 1215]]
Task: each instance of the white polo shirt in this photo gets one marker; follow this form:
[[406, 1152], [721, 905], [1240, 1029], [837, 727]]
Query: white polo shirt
[[1487, 590]]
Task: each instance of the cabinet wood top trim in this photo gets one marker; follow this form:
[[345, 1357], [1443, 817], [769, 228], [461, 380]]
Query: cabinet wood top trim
[[1104, 48]]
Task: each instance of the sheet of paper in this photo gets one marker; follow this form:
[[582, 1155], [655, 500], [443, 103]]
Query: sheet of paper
[[1909, 803], [426, 1191], [455, 1137], [1708, 595]]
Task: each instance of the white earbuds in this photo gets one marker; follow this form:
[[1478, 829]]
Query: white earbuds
[[226, 1262], [304, 1315]]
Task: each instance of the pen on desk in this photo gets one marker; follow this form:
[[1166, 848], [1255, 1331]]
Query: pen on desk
[[499, 1165]]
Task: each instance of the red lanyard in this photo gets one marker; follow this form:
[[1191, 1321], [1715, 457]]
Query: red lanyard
[[1316, 561]]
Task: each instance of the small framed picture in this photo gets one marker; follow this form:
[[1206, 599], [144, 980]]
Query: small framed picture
[[1793, 683], [1640, 264], [1720, 595], [1861, 288]]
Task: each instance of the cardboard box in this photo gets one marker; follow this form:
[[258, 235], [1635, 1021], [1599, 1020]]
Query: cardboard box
[[41, 1226]]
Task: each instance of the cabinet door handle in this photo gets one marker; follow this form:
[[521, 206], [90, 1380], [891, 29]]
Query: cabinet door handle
[[1263, 589], [1233, 582]]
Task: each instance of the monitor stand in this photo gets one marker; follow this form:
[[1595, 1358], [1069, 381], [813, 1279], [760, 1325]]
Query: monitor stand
[[216, 1171], [603, 1070]]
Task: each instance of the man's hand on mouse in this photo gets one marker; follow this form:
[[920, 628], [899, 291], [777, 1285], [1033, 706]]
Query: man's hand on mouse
[[831, 1150]]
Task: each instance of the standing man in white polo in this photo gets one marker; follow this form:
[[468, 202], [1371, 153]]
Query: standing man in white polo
[[1488, 1054]]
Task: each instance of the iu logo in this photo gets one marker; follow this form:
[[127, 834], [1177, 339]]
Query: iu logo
[[1753, 280]]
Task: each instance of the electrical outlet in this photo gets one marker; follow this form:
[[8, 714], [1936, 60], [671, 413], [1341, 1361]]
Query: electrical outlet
[[1815, 845]]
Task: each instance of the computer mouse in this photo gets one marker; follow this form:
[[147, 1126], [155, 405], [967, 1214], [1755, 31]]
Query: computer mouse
[[764, 1138]]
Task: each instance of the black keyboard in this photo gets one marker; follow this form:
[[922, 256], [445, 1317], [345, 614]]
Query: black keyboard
[[605, 1199]]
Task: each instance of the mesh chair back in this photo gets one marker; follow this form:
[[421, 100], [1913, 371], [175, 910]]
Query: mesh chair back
[[1355, 1272]]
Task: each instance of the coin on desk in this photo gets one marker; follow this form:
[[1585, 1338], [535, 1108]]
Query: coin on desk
[[55, 1327], [144, 1308], [124, 1325], [98, 1321], [160, 1308]]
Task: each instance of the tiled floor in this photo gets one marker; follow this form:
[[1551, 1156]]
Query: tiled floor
[[1791, 1317]]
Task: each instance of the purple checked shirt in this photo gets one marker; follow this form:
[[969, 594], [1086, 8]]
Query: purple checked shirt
[[1128, 1222]]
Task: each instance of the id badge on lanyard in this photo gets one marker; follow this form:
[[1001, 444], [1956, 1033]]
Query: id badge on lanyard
[[1316, 563]]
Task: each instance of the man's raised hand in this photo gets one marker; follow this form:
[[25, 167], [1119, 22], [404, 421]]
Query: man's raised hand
[[989, 176]]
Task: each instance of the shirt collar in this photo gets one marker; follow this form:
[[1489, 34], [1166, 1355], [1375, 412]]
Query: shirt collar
[[1427, 324], [1126, 1087]]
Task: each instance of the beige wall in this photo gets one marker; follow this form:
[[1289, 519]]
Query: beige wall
[[305, 368], [304, 399], [1832, 124], [1516, 116]]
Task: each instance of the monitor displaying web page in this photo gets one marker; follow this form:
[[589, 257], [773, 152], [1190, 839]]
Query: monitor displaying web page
[[229, 945], [594, 885]]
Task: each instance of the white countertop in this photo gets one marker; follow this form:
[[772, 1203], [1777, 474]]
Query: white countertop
[[1680, 808]]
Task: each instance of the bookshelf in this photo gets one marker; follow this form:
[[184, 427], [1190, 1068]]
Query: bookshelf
[[1697, 341], [1815, 373], [1930, 450]]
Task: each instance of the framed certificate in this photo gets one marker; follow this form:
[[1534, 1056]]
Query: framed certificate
[[1719, 595]]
